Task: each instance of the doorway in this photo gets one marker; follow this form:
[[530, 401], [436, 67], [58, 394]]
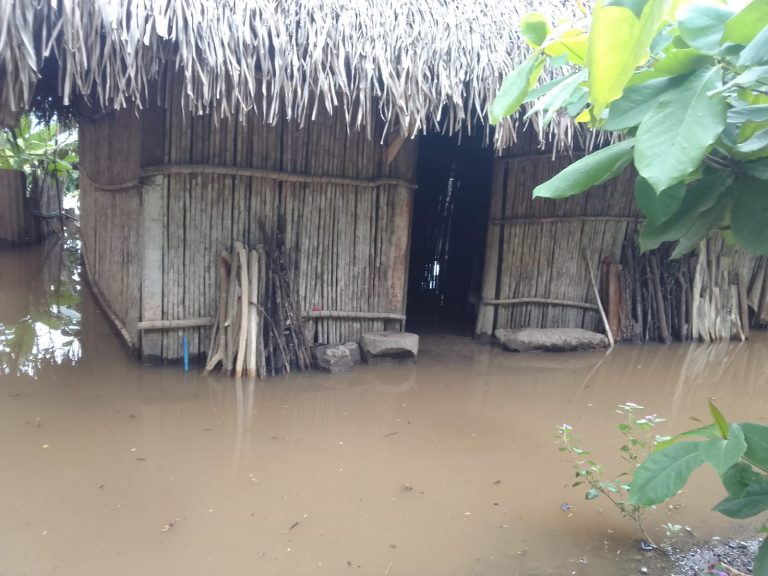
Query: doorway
[[450, 217]]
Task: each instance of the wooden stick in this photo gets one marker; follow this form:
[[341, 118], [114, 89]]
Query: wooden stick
[[353, 315], [546, 301], [242, 253], [171, 324], [278, 175], [660, 308], [608, 332], [557, 219]]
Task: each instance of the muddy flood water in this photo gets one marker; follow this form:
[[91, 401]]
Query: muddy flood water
[[448, 467]]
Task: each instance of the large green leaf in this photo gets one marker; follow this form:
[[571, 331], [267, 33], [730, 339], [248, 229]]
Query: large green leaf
[[680, 61], [750, 503], [758, 169], [675, 135], [758, 113], [756, 436], [534, 28], [701, 26], [589, 171], [572, 44], [760, 565], [699, 197], [618, 42], [749, 214], [708, 431], [754, 144], [515, 87], [738, 478], [745, 25], [722, 453], [664, 473], [704, 223], [658, 207], [756, 51], [637, 101]]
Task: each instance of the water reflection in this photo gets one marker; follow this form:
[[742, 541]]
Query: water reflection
[[40, 316]]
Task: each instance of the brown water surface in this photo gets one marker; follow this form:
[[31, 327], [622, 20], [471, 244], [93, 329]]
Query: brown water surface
[[446, 467]]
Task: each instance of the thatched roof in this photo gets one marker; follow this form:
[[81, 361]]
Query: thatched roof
[[419, 64]]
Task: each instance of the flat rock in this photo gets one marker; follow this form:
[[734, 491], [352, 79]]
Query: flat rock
[[354, 351], [389, 346], [334, 358], [550, 340]]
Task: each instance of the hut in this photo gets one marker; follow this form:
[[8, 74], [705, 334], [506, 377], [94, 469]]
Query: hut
[[204, 124]]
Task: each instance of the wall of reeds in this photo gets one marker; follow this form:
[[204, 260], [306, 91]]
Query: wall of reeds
[[537, 253], [339, 202], [17, 224], [111, 215]]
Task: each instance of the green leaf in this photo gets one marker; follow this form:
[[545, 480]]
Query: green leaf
[[755, 143], [760, 564], [680, 61], [635, 5], [664, 473], [704, 223], [749, 214], [558, 96], [534, 28], [514, 88], [591, 494], [750, 78], [758, 113], [699, 197], [756, 436], [758, 169], [572, 44], [756, 51], [751, 502], [586, 172], [637, 101], [722, 453], [676, 134], [701, 26], [707, 431], [738, 478], [658, 207], [746, 24], [618, 42], [717, 416]]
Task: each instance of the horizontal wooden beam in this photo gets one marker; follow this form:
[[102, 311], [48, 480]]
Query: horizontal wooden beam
[[545, 301], [172, 324], [205, 322], [278, 175], [557, 219], [129, 185]]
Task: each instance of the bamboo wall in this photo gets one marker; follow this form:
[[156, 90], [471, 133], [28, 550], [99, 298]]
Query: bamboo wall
[[212, 182], [536, 272], [110, 207]]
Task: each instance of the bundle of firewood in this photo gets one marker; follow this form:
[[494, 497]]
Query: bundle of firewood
[[258, 330]]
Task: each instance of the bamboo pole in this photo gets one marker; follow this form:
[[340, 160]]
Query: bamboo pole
[[599, 303], [174, 324], [245, 292], [546, 301]]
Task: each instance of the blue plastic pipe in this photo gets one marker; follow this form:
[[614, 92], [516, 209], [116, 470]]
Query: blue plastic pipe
[[185, 347]]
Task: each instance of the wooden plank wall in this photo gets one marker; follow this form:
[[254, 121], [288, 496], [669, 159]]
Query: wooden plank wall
[[347, 246], [110, 208], [538, 259]]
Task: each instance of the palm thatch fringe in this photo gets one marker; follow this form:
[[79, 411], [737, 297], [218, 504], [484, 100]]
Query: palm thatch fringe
[[419, 65]]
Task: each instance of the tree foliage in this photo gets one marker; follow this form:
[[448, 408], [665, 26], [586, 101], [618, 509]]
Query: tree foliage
[[683, 85]]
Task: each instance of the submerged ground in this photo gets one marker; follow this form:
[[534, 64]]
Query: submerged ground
[[446, 467]]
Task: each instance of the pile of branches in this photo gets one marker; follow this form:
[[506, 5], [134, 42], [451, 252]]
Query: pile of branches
[[259, 329]]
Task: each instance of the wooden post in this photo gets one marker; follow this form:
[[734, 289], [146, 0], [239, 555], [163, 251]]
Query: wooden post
[[599, 303], [153, 221]]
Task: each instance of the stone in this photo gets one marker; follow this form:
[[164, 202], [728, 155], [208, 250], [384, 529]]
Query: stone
[[334, 358], [354, 351], [550, 340], [390, 347]]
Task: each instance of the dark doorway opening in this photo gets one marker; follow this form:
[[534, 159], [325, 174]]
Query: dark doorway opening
[[450, 218]]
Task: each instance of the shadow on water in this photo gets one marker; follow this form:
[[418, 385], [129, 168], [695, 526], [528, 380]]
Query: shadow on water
[[441, 468]]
